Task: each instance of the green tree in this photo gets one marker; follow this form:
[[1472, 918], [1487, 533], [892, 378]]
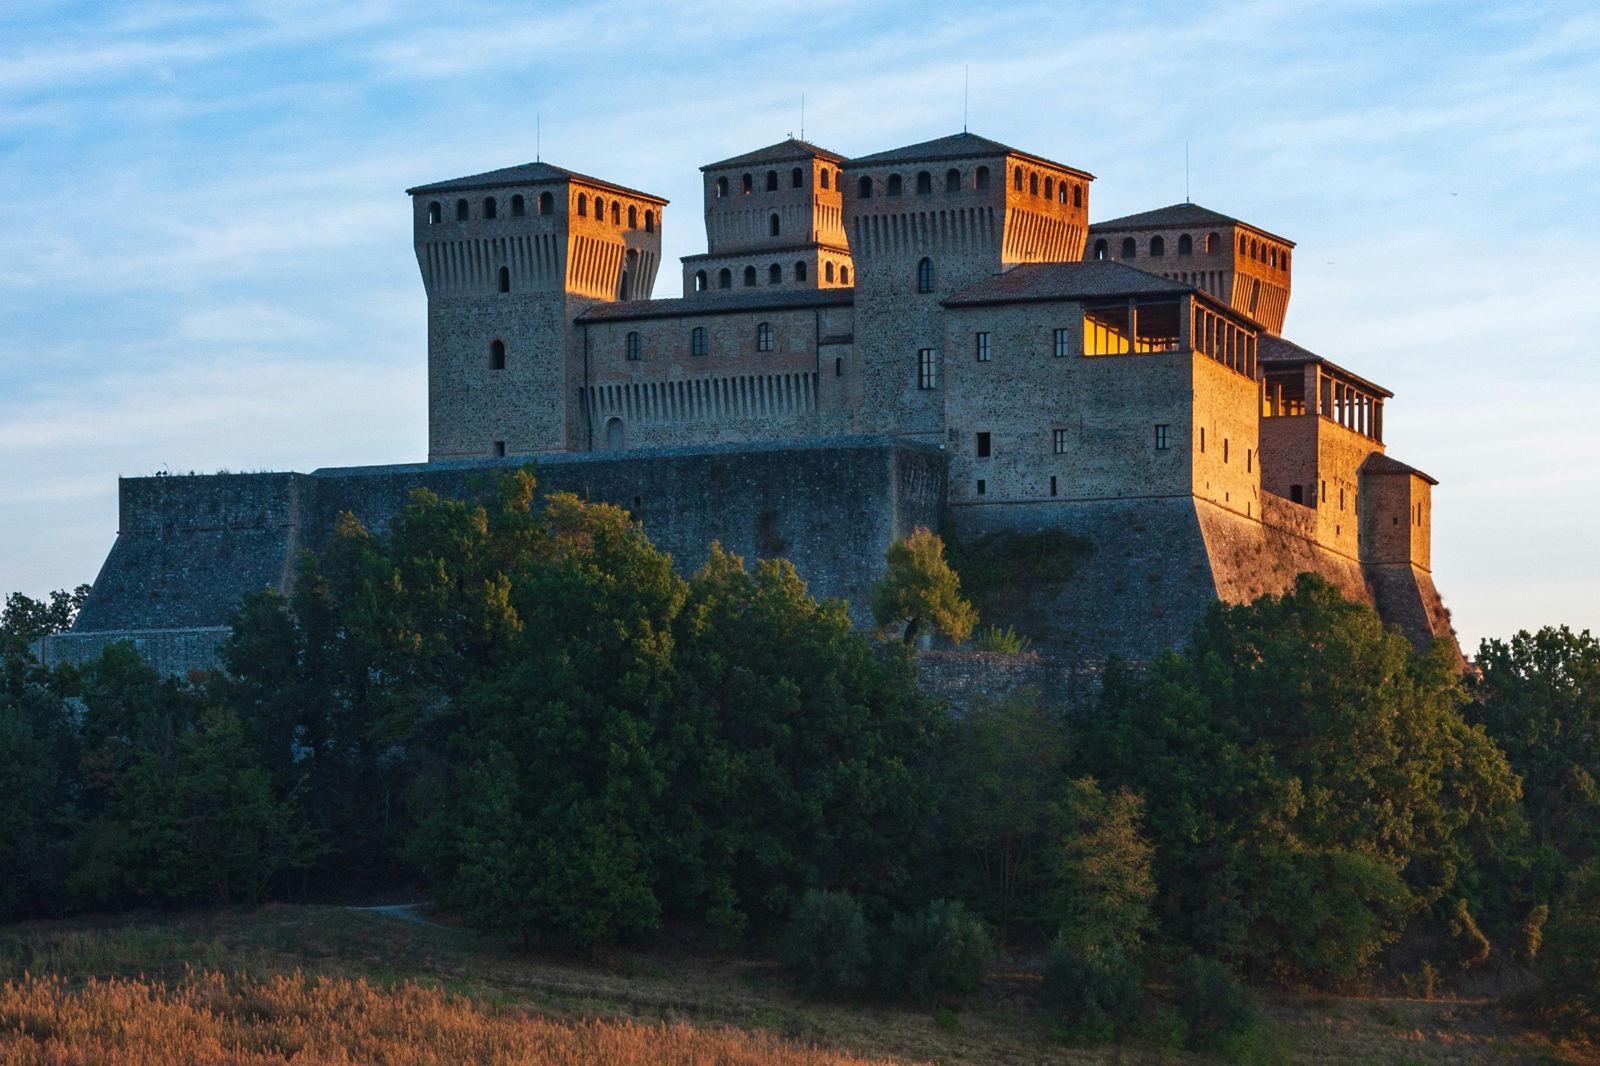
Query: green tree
[[1101, 885], [921, 591], [24, 619], [38, 789], [1569, 963]]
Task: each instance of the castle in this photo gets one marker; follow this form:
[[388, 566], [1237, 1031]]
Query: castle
[[930, 335]]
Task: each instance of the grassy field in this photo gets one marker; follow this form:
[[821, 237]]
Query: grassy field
[[327, 984]]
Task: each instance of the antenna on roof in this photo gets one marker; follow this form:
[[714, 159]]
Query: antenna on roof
[[1186, 173], [802, 116], [538, 137], [965, 78]]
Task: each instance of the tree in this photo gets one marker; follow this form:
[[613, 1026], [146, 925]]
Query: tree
[[24, 619], [1570, 960], [38, 789], [1101, 887], [920, 590]]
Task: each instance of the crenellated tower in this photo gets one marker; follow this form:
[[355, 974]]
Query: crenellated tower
[[925, 221], [509, 258]]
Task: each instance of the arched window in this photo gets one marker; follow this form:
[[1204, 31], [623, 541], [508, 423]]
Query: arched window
[[1100, 249], [505, 280], [980, 179], [924, 183], [772, 181], [599, 209], [865, 189], [700, 281], [1033, 185], [1077, 196], [633, 217], [1128, 248], [649, 221], [952, 180], [895, 185], [697, 341], [773, 226], [797, 178], [435, 213], [1061, 193], [1049, 189], [614, 435], [1213, 243], [724, 278], [1185, 245], [461, 210], [824, 177], [748, 184], [827, 271], [616, 213], [497, 355], [722, 187], [749, 276], [1244, 245], [844, 275], [583, 206], [632, 346], [519, 206], [489, 207], [547, 203], [1158, 246], [1016, 179], [1283, 260], [925, 275], [1272, 258], [800, 270], [1255, 250], [764, 337], [774, 274]]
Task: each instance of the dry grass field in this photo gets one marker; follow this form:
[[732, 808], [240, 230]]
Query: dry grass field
[[328, 985]]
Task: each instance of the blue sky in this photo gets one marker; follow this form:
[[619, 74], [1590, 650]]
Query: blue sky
[[205, 255]]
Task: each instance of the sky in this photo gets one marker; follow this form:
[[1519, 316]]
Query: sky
[[205, 256]]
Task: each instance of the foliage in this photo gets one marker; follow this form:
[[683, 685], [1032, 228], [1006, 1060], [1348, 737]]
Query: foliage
[[828, 944], [919, 591], [1217, 1009], [38, 788], [1005, 641], [1095, 995], [1472, 947], [1532, 932], [24, 619], [1101, 886], [1569, 964], [935, 954]]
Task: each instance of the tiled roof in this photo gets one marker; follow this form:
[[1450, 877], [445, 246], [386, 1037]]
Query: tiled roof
[[1066, 281], [526, 174], [782, 152], [1179, 215], [956, 146], [718, 303], [1378, 463], [1274, 350]]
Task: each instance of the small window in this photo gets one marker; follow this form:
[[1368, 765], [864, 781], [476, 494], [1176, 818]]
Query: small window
[[924, 183], [633, 217], [772, 181], [505, 280], [823, 177], [435, 213], [632, 346], [1061, 344], [490, 208], [774, 274], [697, 341], [800, 271], [649, 221], [722, 187], [983, 445], [519, 206], [1158, 246], [461, 211], [838, 363], [1323, 498], [599, 209], [983, 486], [980, 178], [724, 278], [1129, 249], [616, 213], [1077, 196], [952, 180], [583, 206], [1058, 441], [981, 346], [1016, 179], [895, 185], [1224, 449], [547, 203], [1052, 484], [1163, 438], [749, 276], [864, 188], [773, 225], [499, 449], [1249, 460], [764, 337], [827, 271], [925, 275], [700, 281], [1202, 438], [747, 183], [797, 178], [844, 275], [497, 355], [927, 368], [1297, 494], [1185, 245], [1100, 249], [1213, 243], [1033, 185]]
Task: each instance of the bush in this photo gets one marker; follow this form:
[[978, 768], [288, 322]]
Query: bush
[[936, 953], [1570, 960], [1533, 931], [1218, 1009], [1472, 947], [1006, 641], [1096, 994], [828, 944]]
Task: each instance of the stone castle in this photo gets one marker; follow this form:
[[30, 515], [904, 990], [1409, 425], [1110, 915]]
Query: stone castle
[[930, 335]]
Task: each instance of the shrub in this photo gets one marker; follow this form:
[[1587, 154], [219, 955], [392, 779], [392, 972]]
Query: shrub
[[1472, 947], [1095, 994], [936, 953], [1533, 931], [1218, 1009], [828, 944], [1570, 961], [1006, 641]]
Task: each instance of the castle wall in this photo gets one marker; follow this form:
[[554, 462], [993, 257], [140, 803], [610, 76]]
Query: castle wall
[[1227, 406]]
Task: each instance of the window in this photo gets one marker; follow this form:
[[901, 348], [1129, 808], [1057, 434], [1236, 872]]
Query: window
[[927, 368], [505, 280], [1244, 245], [772, 181], [983, 445], [1077, 196], [1213, 243], [844, 275], [461, 210], [749, 276], [1033, 185], [925, 275], [980, 178], [773, 226], [895, 185], [1129, 250], [599, 209], [952, 180], [747, 184], [838, 364], [1163, 438], [981, 346], [827, 271], [616, 213], [1185, 245], [614, 435], [1052, 484], [697, 341], [800, 271], [724, 278], [983, 486], [490, 209], [633, 217], [796, 178], [764, 337], [1158, 246], [1049, 189], [1224, 449], [649, 221], [700, 281], [824, 177], [722, 187], [435, 213], [865, 188], [1202, 438], [547, 203], [774, 274], [1249, 460], [499, 449], [924, 183], [1100, 249], [497, 355], [1061, 346], [583, 206], [1016, 179], [1323, 498], [1297, 494], [1058, 441], [519, 206], [632, 347]]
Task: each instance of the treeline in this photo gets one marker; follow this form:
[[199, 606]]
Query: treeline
[[517, 703]]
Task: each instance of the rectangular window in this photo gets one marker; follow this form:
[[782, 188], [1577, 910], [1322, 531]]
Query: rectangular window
[[1052, 484], [927, 368], [697, 341], [764, 337], [499, 448], [982, 485], [1249, 460], [981, 346], [1061, 344], [633, 347], [1059, 438], [983, 445], [1224, 449], [1163, 438]]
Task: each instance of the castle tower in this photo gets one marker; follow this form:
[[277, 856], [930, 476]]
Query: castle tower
[[509, 258], [1244, 266], [774, 219], [925, 221]]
